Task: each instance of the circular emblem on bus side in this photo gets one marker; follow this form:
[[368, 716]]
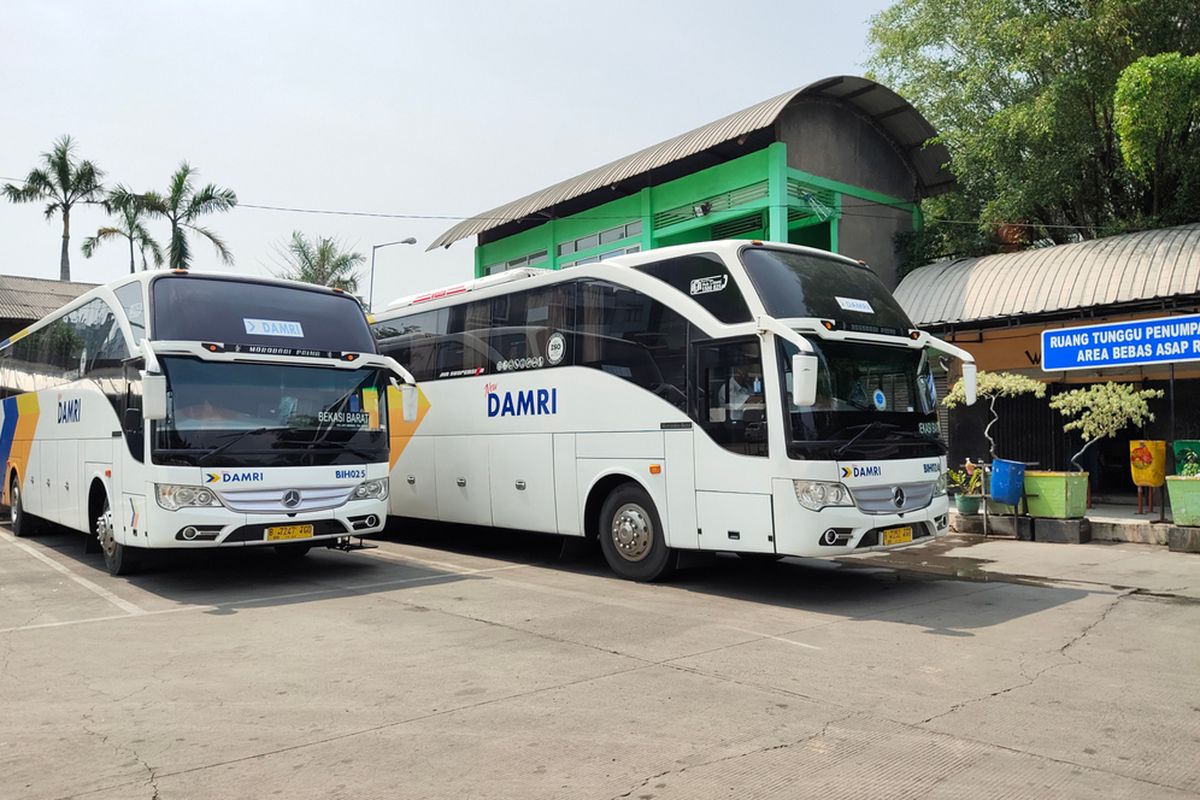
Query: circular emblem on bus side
[[556, 348], [291, 498]]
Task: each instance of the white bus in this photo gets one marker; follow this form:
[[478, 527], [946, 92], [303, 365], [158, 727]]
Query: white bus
[[729, 396], [184, 410]]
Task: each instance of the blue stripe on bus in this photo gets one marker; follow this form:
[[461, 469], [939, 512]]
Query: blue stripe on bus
[[8, 429]]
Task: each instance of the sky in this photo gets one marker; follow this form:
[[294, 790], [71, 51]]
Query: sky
[[433, 109]]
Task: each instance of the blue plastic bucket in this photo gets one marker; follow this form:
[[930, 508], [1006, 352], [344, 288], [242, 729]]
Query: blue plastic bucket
[[1008, 481]]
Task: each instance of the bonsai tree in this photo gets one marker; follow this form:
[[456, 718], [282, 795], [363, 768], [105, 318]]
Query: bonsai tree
[[993, 385], [1102, 410]]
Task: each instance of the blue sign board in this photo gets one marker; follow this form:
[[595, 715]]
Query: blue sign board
[[1121, 344]]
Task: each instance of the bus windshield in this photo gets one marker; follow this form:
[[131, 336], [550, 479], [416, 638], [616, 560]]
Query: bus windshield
[[267, 415], [873, 401], [793, 285], [202, 309]]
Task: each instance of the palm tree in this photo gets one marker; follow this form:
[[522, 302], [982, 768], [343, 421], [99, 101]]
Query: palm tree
[[322, 262], [182, 206], [62, 181], [131, 209]]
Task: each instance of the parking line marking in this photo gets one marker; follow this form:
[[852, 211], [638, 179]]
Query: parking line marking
[[257, 600], [124, 605], [776, 638]]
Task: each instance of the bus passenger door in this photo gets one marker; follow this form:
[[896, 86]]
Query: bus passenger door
[[680, 482]]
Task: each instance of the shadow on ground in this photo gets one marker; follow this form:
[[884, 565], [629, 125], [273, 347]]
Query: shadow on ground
[[904, 589]]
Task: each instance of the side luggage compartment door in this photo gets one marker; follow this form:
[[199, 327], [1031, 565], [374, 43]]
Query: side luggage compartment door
[[413, 487], [463, 487], [522, 481]]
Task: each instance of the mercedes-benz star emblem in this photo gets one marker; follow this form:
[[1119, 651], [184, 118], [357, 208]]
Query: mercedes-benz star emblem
[[291, 498], [898, 497]]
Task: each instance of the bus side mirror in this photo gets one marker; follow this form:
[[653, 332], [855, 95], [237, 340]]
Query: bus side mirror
[[804, 380], [408, 402], [154, 396], [968, 378]]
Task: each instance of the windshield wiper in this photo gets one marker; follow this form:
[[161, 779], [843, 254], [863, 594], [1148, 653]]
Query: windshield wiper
[[870, 426], [238, 436]]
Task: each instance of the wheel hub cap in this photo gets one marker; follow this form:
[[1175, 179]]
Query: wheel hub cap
[[104, 533], [632, 533]]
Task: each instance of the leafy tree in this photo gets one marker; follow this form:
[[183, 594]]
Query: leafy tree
[[182, 206], [994, 385], [61, 181], [1157, 120], [1102, 410], [1021, 92], [130, 209], [321, 261]]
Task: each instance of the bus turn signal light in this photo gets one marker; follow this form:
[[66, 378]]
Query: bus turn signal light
[[656, 469]]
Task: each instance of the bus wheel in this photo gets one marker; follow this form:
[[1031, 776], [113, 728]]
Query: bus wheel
[[21, 523], [631, 535], [118, 558], [292, 552]]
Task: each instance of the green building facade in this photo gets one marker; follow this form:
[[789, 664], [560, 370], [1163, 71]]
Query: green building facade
[[840, 165]]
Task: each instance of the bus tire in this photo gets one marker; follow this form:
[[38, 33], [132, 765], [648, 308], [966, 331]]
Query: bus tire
[[22, 524], [119, 559], [631, 535]]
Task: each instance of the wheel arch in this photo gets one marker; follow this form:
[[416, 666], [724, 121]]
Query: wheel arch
[[97, 494], [601, 487]]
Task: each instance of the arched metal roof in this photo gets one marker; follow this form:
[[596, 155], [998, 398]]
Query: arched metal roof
[[907, 128], [1100, 272]]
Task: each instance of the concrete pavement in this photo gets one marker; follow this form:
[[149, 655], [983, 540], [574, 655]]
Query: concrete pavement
[[454, 663]]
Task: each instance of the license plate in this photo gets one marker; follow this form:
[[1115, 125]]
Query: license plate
[[897, 535], [284, 532]]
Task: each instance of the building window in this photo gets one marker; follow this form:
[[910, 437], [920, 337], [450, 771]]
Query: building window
[[607, 236], [620, 251], [532, 260]]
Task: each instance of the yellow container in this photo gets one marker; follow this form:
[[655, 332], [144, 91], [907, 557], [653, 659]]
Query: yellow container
[[1148, 462]]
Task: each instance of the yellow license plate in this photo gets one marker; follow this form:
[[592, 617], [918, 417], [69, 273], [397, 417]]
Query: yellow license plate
[[283, 532], [897, 535]]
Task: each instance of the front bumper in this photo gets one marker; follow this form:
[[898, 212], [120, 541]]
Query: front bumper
[[200, 528], [800, 532]]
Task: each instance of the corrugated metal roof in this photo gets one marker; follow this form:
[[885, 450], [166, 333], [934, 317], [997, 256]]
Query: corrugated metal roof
[[23, 298], [903, 123], [1099, 272]]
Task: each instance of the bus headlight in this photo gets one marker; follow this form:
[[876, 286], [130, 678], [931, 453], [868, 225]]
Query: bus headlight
[[815, 495], [939, 486], [371, 490], [173, 496]]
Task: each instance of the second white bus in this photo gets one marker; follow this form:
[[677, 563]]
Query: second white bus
[[733, 396]]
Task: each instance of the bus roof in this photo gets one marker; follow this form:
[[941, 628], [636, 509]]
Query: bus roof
[[727, 247]]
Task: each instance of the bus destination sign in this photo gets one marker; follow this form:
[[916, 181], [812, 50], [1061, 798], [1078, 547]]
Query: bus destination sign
[[1162, 340]]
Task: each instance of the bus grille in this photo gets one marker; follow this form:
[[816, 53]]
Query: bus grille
[[271, 501], [882, 499]]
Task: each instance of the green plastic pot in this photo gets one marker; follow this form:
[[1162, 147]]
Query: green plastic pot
[[1185, 499], [965, 505], [1057, 495]]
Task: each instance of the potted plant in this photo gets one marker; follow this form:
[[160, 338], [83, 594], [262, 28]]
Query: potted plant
[[1007, 476], [967, 486], [1099, 411], [1184, 489]]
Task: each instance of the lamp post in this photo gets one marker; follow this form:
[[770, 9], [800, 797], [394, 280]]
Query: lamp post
[[374, 247]]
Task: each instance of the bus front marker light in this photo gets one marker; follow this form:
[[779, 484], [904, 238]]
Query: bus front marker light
[[830, 537], [815, 495], [372, 520], [189, 533]]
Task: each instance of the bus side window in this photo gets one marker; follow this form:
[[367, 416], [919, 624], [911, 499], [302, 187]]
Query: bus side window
[[730, 403]]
